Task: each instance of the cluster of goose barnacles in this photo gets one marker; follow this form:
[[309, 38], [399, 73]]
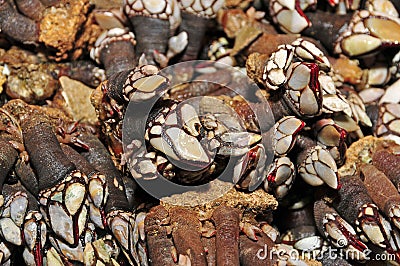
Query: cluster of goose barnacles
[[301, 174]]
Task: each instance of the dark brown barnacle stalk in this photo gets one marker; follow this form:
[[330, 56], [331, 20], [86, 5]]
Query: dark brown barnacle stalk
[[187, 235], [48, 3], [210, 248], [51, 165], [257, 253], [326, 27], [31, 8], [115, 49], [315, 164], [295, 217], [382, 192], [27, 176], [16, 25], [196, 16], [278, 106], [389, 164], [226, 220], [83, 70], [8, 157], [100, 159], [160, 18], [117, 209], [338, 232], [160, 246], [62, 189], [351, 197]]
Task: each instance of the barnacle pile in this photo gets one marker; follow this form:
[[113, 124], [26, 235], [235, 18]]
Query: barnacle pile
[[196, 132]]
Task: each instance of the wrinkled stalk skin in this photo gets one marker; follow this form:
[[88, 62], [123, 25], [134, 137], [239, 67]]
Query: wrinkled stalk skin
[[196, 27], [8, 157], [31, 8], [187, 235], [379, 187], [117, 57], [296, 218], [78, 160], [159, 243], [27, 176], [226, 221], [389, 164], [50, 2], [351, 197], [279, 108], [50, 166], [83, 70], [100, 159], [152, 37], [326, 27], [249, 249], [17, 26], [209, 245]]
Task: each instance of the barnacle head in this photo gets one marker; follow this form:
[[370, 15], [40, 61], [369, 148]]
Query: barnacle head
[[125, 229], [108, 37], [280, 177], [35, 236], [303, 92], [65, 206], [319, 168], [367, 33], [202, 8], [289, 15], [161, 9]]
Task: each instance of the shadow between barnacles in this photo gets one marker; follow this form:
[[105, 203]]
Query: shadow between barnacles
[[192, 151]]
